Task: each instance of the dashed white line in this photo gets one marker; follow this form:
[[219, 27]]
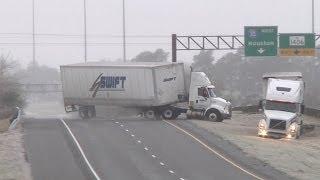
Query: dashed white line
[[147, 149]]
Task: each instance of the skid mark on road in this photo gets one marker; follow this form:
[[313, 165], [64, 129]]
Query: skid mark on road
[[146, 148]]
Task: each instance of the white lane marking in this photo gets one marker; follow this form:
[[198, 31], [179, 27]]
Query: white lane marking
[[214, 151], [117, 122], [181, 179], [161, 163], [80, 149], [154, 156], [121, 125], [132, 135], [139, 141], [146, 148], [127, 130], [172, 172]]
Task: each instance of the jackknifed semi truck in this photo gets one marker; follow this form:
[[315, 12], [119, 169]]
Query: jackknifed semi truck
[[155, 88]]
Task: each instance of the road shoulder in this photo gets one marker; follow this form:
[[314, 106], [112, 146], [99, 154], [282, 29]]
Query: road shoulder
[[297, 158], [13, 164], [232, 151]]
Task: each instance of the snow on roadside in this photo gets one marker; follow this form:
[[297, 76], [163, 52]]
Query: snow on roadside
[[298, 158], [13, 164]]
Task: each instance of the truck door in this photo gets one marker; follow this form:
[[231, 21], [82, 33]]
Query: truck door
[[203, 100]]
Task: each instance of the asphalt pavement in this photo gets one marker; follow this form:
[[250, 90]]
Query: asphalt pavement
[[141, 149], [48, 151], [126, 148]]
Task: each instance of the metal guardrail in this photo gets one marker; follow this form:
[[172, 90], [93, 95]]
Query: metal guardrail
[[16, 121]]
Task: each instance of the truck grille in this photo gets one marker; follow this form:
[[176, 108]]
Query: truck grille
[[277, 124]]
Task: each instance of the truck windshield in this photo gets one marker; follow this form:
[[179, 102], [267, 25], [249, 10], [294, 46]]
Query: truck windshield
[[211, 92], [281, 106]]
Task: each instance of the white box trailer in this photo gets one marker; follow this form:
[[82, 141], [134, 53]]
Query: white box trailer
[[125, 84]]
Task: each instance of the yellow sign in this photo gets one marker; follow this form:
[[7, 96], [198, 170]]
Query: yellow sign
[[297, 52]]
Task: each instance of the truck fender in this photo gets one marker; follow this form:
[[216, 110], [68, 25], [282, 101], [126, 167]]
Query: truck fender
[[214, 107]]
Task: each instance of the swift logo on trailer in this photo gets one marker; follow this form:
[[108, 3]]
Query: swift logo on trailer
[[108, 83]]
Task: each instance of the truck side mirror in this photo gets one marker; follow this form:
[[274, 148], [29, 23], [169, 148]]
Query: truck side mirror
[[302, 108]]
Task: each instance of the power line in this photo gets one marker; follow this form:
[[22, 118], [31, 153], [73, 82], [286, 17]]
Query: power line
[[81, 44], [81, 35]]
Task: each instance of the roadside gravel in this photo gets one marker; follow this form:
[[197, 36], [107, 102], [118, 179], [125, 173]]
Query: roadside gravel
[[13, 164]]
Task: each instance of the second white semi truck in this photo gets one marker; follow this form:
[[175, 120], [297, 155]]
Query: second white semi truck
[[155, 88], [282, 105]]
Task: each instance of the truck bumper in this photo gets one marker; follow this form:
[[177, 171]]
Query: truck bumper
[[227, 116], [275, 134]]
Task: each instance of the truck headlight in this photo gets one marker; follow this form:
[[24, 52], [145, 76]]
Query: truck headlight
[[293, 127], [262, 124]]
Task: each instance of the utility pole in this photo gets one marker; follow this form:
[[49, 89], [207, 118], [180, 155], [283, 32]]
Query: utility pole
[[313, 31], [33, 35], [124, 30], [85, 29]]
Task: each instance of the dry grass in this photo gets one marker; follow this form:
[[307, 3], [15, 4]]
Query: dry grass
[[4, 125]]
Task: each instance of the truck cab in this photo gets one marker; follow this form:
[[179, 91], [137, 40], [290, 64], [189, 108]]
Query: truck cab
[[203, 102], [282, 105]]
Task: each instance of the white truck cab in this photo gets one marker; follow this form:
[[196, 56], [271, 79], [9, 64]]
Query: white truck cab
[[282, 105], [203, 102]]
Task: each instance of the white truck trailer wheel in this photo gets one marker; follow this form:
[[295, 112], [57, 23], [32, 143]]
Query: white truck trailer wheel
[[150, 114], [168, 113]]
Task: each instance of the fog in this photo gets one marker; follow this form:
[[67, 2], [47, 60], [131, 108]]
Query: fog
[[59, 25]]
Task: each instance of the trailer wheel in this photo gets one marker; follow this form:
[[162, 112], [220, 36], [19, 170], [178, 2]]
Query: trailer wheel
[[83, 113], [168, 114], [150, 114], [91, 112], [213, 115]]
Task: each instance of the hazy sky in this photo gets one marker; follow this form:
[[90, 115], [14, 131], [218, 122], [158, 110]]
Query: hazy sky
[[158, 18]]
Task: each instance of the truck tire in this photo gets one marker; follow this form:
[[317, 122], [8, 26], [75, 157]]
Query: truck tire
[[213, 115], [150, 114], [168, 114], [83, 113], [91, 112]]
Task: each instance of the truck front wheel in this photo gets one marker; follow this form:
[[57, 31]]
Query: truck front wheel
[[213, 115]]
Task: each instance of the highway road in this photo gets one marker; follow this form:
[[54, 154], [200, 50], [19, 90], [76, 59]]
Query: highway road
[[127, 148]]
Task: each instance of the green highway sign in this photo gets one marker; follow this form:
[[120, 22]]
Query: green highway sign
[[261, 40], [297, 44]]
